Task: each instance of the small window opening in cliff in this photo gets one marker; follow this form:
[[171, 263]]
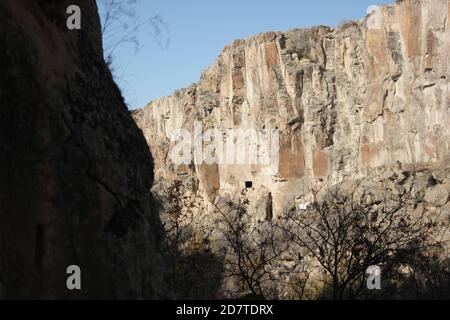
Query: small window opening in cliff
[[248, 184]]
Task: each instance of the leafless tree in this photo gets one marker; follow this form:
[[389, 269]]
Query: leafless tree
[[348, 231], [121, 24], [196, 270], [253, 250], [327, 247], [417, 274]]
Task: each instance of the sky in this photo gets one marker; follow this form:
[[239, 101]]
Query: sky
[[197, 30]]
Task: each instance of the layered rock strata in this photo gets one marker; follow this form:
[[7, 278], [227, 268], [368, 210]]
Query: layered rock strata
[[369, 94]]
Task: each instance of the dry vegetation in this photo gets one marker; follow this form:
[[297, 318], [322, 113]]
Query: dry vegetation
[[319, 253]]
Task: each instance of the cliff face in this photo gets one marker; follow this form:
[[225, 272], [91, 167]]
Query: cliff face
[[75, 171], [370, 94]]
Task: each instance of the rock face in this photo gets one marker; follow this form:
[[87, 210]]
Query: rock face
[[75, 171], [366, 95]]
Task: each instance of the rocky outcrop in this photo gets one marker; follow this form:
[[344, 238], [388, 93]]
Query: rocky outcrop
[[75, 171], [366, 95]]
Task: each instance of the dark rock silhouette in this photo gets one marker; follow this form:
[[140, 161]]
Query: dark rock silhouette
[[75, 171]]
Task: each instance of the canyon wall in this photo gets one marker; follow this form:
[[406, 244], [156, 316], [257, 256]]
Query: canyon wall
[[370, 95], [75, 171]]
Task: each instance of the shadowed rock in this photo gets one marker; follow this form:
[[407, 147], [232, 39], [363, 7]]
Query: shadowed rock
[[75, 171]]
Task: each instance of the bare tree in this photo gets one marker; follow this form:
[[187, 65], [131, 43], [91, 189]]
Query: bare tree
[[253, 250], [121, 24], [417, 274], [196, 269], [327, 247], [346, 232]]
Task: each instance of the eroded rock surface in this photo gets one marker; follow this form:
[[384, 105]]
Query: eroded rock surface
[[369, 94]]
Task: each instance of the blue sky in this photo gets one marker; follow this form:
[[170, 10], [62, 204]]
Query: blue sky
[[199, 29]]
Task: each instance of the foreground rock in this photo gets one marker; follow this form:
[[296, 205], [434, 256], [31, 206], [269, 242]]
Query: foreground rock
[[75, 171]]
